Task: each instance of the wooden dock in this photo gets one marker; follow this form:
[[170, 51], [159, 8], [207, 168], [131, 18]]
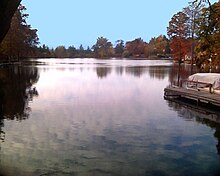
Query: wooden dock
[[192, 94]]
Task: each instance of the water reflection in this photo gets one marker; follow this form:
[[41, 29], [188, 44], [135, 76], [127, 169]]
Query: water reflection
[[155, 72], [178, 73], [16, 92], [2, 133], [159, 72], [104, 68], [102, 72], [191, 112], [103, 118]]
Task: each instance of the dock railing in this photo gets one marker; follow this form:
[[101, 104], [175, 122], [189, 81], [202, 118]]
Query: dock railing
[[197, 85]]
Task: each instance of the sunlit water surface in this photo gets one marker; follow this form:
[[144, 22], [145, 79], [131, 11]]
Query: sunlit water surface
[[88, 117]]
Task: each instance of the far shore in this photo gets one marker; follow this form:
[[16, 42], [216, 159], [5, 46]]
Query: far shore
[[6, 62], [112, 58]]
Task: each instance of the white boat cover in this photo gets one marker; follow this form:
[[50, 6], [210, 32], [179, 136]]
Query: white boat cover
[[210, 78]]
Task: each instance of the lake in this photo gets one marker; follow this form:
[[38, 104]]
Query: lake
[[88, 117]]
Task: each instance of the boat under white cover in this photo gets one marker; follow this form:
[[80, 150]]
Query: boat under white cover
[[209, 78], [206, 79]]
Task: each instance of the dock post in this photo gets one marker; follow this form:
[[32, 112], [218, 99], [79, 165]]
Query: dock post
[[210, 88], [198, 102]]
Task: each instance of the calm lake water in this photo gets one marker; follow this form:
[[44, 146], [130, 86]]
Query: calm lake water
[[87, 117]]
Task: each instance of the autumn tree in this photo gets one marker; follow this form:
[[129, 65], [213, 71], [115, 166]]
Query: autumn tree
[[7, 10], [180, 48], [178, 32], [136, 47], [103, 48], [208, 49], [21, 39]]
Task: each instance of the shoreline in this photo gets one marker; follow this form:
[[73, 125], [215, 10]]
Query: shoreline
[[4, 63], [113, 58]]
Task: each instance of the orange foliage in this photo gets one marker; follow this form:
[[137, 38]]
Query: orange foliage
[[136, 47], [179, 48]]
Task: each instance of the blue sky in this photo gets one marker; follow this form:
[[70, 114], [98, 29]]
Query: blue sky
[[75, 22]]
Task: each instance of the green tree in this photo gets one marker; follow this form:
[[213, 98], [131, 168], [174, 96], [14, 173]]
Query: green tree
[[60, 52], [81, 51], [88, 52], [158, 46], [103, 48], [119, 48], [44, 52], [71, 52]]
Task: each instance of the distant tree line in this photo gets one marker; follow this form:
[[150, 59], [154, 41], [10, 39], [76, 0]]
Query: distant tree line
[[103, 48], [193, 34]]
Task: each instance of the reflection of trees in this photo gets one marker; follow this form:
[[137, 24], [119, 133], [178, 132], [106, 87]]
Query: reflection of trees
[[182, 72], [2, 133], [137, 71], [103, 72], [1, 115], [16, 91], [202, 114], [119, 70], [159, 72], [179, 73]]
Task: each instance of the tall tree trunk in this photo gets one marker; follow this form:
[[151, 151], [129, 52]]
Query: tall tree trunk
[[7, 10]]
